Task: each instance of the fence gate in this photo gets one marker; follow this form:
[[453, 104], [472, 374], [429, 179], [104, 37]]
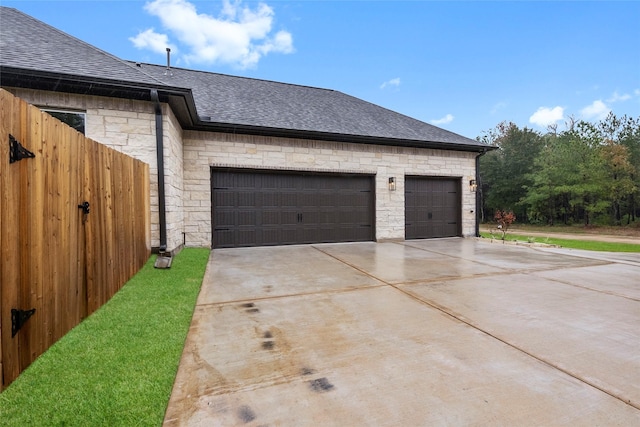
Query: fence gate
[[74, 227]]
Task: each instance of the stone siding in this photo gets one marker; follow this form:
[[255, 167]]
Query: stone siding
[[202, 150], [129, 126]]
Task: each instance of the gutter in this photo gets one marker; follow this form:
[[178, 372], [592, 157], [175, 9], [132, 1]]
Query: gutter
[[160, 159], [203, 125], [60, 82]]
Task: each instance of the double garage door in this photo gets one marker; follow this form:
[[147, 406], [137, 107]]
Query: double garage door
[[262, 208], [259, 208]]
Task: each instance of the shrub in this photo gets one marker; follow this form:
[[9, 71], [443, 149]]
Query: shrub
[[504, 220]]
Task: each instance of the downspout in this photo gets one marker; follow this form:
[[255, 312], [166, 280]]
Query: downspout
[[478, 192], [162, 216]]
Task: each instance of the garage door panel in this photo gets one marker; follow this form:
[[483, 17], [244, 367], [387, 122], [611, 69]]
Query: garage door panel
[[271, 200], [271, 218], [246, 199], [286, 198], [274, 208], [246, 217], [432, 207], [225, 237], [243, 235], [289, 218], [224, 198], [226, 218], [241, 181]]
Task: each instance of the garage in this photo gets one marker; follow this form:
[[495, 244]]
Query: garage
[[264, 208], [432, 207]]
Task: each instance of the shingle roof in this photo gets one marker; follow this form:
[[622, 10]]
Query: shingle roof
[[28, 44], [252, 102]]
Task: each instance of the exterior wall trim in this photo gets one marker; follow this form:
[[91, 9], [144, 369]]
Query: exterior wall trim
[[288, 169]]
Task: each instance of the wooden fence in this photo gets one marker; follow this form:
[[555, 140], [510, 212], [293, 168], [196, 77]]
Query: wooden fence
[[54, 257]]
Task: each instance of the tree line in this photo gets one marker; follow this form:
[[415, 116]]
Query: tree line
[[587, 174]]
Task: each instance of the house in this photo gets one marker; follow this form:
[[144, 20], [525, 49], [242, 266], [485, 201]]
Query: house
[[240, 162]]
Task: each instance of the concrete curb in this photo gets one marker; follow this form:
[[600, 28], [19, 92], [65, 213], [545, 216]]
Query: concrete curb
[[518, 243]]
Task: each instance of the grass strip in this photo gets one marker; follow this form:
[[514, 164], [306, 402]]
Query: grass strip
[[117, 367], [587, 245]]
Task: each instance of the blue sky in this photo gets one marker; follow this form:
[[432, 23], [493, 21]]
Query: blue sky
[[463, 66]]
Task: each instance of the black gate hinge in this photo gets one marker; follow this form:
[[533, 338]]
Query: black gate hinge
[[17, 151], [19, 318]]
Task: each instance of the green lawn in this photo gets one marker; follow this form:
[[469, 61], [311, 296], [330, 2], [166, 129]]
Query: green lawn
[[587, 245], [118, 366]]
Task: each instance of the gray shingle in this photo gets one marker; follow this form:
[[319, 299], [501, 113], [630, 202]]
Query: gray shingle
[[252, 102], [29, 44], [26, 43]]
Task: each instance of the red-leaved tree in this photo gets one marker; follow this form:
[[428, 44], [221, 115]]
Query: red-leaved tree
[[504, 220]]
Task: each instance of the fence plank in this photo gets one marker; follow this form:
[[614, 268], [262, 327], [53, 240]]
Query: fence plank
[[11, 244], [77, 229], [4, 151], [56, 259], [32, 281], [9, 241]]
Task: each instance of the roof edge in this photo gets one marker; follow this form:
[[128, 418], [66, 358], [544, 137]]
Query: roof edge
[[45, 80], [203, 125], [84, 85]]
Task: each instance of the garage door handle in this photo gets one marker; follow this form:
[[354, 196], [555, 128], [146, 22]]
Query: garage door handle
[[221, 229], [299, 217]]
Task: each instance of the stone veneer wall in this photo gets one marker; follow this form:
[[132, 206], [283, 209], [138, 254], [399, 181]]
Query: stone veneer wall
[[128, 126], [205, 149], [173, 178]]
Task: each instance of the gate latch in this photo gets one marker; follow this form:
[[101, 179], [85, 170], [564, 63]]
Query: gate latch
[[19, 318], [85, 207]]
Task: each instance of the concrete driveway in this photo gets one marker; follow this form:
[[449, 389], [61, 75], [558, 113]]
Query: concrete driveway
[[455, 332]]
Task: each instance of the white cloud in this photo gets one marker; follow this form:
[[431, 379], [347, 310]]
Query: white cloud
[[393, 82], [153, 41], [240, 36], [597, 110], [547, 116], [446, 119], [616, 97], [636, 92]]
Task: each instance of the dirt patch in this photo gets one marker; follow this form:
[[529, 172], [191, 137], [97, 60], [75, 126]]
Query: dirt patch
[[599, 234]]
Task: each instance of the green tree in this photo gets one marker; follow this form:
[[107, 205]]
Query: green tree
[[625, 131], [588, 173], [504, 172], [564, 181], [546, 200], [619, 184]]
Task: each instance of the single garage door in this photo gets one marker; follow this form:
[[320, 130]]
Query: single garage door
[[432, 207], [261, 208]]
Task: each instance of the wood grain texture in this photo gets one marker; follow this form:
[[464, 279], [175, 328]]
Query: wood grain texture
[[56, 259]]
